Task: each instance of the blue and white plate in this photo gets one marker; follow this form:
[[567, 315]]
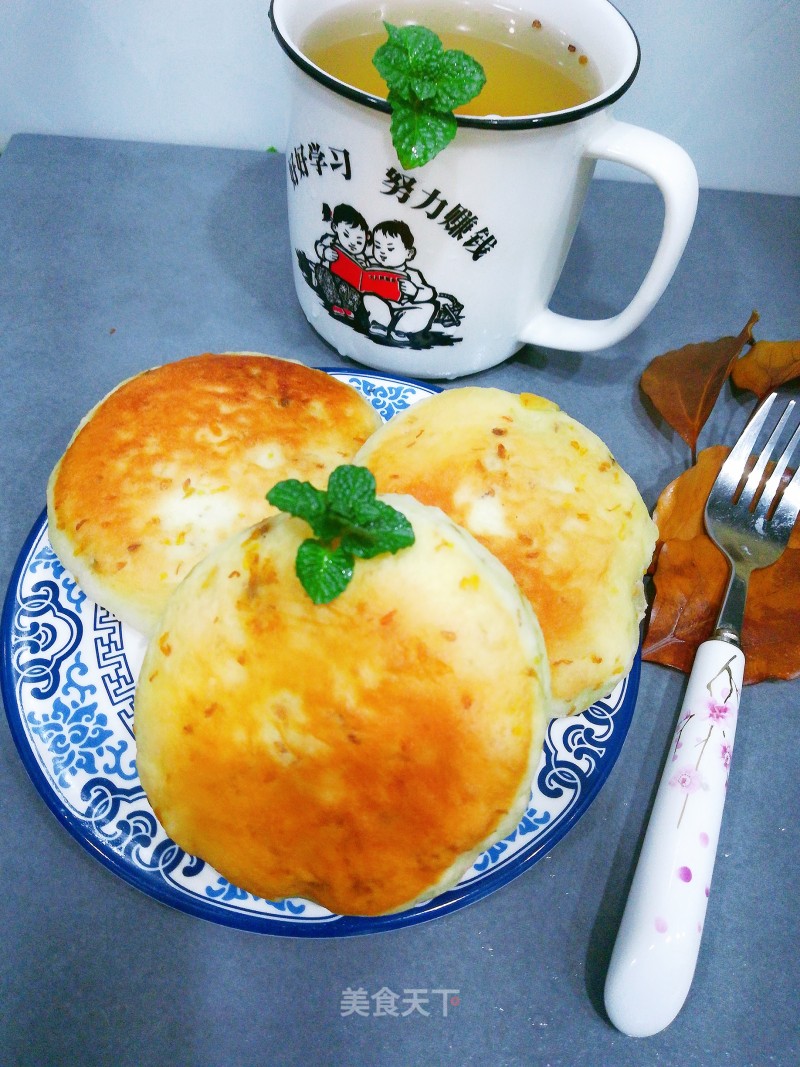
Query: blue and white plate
[[69, 670]]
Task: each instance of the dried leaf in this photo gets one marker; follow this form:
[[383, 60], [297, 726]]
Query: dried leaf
[[768, 365], [690, 579], [684, 384], [679, 511]]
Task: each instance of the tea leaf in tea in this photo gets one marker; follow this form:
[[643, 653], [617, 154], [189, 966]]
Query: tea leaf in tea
[[426, 83]]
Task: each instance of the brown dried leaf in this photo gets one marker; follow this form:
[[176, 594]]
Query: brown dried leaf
[[679, 511], [684, 384], [690, 579], [768, 365]]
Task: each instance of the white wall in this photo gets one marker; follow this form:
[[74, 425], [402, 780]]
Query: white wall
[[722, 77]]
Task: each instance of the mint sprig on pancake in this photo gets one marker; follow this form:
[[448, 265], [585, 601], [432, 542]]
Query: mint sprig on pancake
[[348, 522]]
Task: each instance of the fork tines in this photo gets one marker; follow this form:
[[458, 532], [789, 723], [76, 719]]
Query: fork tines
[[761, 491]]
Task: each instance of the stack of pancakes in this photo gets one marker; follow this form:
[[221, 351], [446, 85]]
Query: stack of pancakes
[[363, 753]]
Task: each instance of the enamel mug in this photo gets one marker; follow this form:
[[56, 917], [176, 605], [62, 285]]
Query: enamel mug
[[446, 269]]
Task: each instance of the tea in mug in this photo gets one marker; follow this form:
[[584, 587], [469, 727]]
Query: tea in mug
[[529, 68]]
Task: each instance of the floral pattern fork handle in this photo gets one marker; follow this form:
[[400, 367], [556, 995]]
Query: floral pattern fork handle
[[658, 942]]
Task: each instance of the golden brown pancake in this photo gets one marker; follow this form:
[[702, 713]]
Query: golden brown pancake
[[360, 754], [179, 457], [544, 494]]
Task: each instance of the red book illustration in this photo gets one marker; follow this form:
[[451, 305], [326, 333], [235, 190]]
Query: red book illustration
[[384, 283]]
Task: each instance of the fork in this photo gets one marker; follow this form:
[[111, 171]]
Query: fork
[[657, 946]]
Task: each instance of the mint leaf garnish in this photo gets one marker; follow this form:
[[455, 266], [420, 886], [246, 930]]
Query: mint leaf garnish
[[426, 83], [349, 523], [324, 572], [303, 500], [350, 491], [419, 135], [409, 61]]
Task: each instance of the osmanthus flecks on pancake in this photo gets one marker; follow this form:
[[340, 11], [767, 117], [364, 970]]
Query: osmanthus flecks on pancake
[[177, 458], [359, 753], [544, 494]]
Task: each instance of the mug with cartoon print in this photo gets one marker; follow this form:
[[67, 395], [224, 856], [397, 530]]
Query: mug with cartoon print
[[448, 268]]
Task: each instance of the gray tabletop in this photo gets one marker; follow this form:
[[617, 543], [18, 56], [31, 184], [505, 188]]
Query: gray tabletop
[[118, 256]]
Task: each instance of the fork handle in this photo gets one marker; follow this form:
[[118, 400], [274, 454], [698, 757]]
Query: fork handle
[[658, 942]]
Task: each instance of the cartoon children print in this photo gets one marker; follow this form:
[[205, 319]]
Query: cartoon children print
[[413, 311], [349, 233], [365, 278]]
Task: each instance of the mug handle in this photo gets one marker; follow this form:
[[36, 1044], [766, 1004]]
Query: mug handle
[[669, 166]]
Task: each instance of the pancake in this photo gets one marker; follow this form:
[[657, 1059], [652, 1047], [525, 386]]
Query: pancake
[[544, 494], [177, 458], [360, 754]]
